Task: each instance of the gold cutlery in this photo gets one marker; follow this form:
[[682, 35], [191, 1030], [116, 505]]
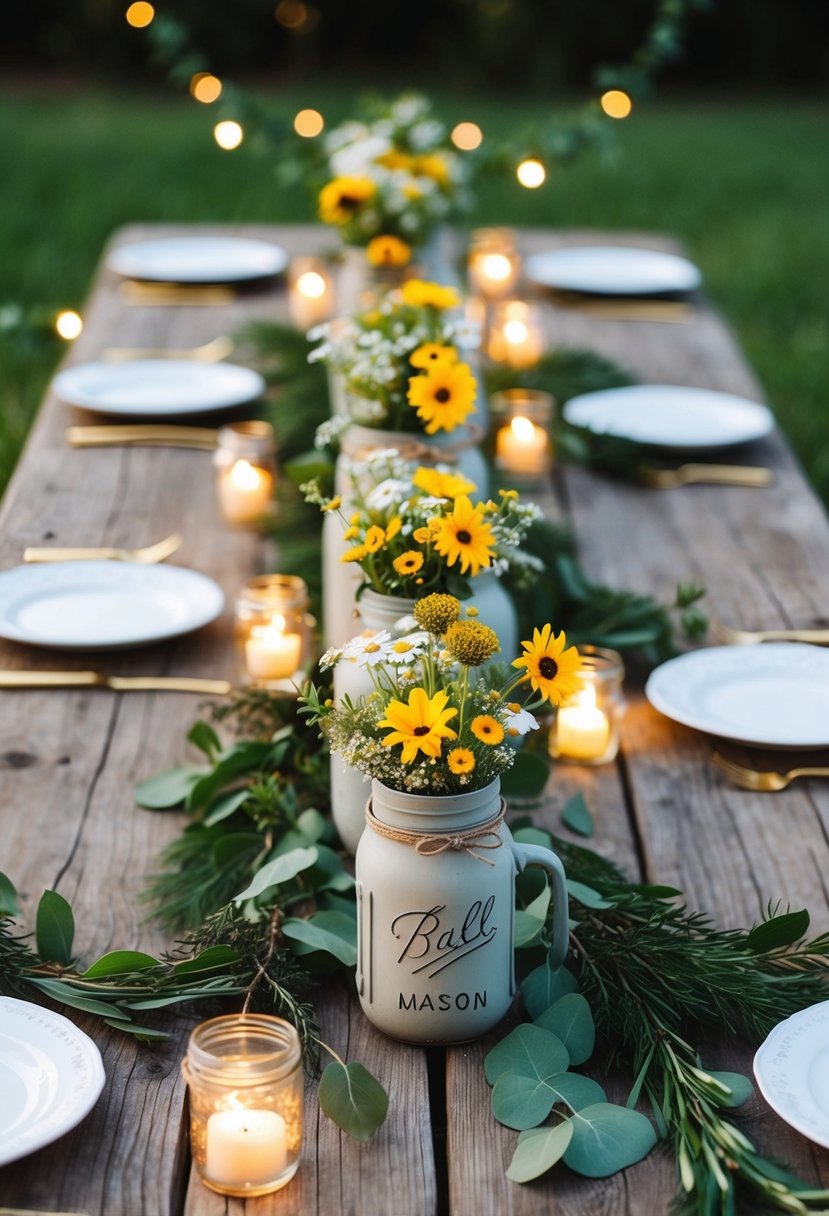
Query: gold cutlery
[[147, 435], [674, 312], [134, 291], [209, 352], [764, 782], [748, 637], [95, 679], [708, 474], [147, 555]]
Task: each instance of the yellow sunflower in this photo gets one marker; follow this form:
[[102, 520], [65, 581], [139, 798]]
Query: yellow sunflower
[[443, 397], [464, 536], [419, 725], [341, 198], [431, 354], [375, 538], [417, 293], [442, 485], [408, 562], [388, 251], [488, 729], [551, 669], [460, 760]]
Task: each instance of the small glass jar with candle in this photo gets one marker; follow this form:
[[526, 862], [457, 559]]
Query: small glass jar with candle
[[523, 441], [310, 292], [274, 631], [514, 334], [245, 1077], [245, 462], [493, 263], [585, 728]]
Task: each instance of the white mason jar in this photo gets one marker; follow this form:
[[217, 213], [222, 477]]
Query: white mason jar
[[435, 900]]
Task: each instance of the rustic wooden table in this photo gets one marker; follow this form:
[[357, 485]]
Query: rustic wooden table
[[70, 761]]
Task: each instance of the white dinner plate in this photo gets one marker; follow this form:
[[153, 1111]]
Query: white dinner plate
[[772, 695], [612, 270], [792, 1070], [670, 416], [103, 605], [51, 1076], [151, 388], [199, 259]]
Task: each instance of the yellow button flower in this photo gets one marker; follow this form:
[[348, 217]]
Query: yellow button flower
[[417, 293]]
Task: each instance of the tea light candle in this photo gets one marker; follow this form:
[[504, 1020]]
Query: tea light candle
[[515, 336], [245, 492], [271, 653], [245, 1147], [522, 448], [582, 729], [310, 292]]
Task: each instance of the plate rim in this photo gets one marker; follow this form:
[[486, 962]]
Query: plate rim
[[281, 260], [763, 413], [81, 401], [694, 275], [763, 1084], [41, 1137], [206, 616], [658, 703]]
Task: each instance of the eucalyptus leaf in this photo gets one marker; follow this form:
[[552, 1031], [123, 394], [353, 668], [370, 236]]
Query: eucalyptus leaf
[[533, 835], [203, 736], [145, 1033], [54, 929], [207, 960], [8, 897], [224, 807], [543, 987], [529, 1051], [119, 962], [241, 758], [778, 932], [571, 1021], [333, 932], [353, 1098], [608, 1138], [527, 777], [281, 869], [587, 896], [576, 816], [530, 921], [521, 1102], [168, 789], [312, 825], [61, 991], [740, 1086], [538, 1151]]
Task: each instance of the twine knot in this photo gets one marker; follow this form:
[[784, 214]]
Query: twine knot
[[430, 844]]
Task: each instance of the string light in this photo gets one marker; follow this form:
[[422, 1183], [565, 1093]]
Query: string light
[[228, 134], [531, 173], [68, 324], [205, 87], [467, 136], [140, 14], [308, 123], [616, 103], [292, 14]]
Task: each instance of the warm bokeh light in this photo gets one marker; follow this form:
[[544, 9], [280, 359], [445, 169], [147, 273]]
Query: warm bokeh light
[[516, 331], [497, 267], [140, 14], [311, 285], [522, 428], [292, 14], [467, 136], [308, 123], [205, 87], [228, 134], [68, 324], [616, 104], [531, 173]]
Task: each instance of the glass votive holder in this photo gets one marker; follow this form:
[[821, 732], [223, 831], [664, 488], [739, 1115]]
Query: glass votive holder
[[274, 631], [310, 292], [523, 440], [585, 728], [245, 1076], [493, 263], [245, 462], [514, 334]]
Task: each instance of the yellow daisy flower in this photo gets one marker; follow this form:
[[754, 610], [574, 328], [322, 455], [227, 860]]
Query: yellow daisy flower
[[460, 760], [431, 165], [419, 725], [443, 397], [351, 533], [408, 562], [412, 192], [355, 518], [488, 729], [375, 538], [333, 504], [422, 535], [509, 494], [354, 555], [551, 669], [442, 485], [430, 354], [393, 527], [341, 198], [417, 293], [388, 251], [465, 537], [393, 159]]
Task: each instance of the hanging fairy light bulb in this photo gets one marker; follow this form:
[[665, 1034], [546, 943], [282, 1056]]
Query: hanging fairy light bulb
[[467, 136], [228, 134], [531, 173], [68, 324], [205, 87], [616, 103]]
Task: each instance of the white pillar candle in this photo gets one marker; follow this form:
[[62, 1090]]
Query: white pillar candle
[[245, 1147], [271, 653], [245, 492], [521, 447], [582, 729]]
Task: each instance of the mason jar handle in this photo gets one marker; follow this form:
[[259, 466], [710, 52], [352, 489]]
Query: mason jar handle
[[535, 855]]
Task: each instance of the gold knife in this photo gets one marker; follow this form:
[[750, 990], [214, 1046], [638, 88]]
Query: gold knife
[[95, 679], [148, 435], [710, 474], [133, 291]]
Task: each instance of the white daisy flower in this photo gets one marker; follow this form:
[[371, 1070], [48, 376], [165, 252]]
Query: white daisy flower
[[405, 624], [386, 493], [407, 649], [368, 649], [517, 720], [331, 657]]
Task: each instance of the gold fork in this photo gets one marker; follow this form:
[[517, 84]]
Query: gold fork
[[209, 352], [748, 637], [147, 556], [135, 291], [766, 782], [712, 474]]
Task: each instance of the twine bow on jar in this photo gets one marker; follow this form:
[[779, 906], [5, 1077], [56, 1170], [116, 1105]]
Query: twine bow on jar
[[431, 844]]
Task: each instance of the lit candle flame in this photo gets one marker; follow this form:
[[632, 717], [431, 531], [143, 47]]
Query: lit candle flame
[[523, 429], [311, 284], [497, 266], [516, 332], [244, 476]]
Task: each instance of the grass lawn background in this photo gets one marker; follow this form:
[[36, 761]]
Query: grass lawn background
[[743, 182]]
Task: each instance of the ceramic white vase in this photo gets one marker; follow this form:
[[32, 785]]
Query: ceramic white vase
[[436, 919]]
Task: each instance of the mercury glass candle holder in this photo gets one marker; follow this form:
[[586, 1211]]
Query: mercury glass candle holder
[[245, 463], [274, 631], [245, 1078], [523, 440], [585, 728]]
